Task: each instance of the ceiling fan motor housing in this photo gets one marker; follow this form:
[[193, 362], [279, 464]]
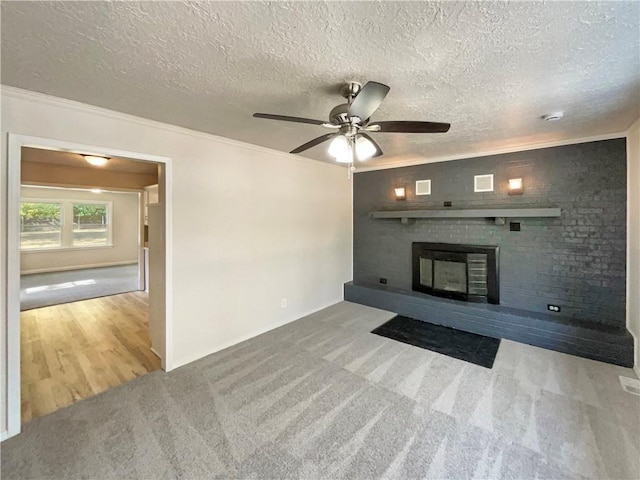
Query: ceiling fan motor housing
[[339, 114]]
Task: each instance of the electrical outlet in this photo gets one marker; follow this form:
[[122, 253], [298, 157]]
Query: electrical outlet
[[383, 281], [553, 308], [284, 303]]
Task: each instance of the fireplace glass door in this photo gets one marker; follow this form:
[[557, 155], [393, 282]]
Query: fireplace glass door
[[456, 271], [444, 271], [450, 276]]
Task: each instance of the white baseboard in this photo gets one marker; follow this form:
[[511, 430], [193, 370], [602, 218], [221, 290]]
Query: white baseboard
[[3, 436], [217, 348], [78, 267], [197, 356]]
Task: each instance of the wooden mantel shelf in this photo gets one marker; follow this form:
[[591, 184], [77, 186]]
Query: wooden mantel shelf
[[483, 212]]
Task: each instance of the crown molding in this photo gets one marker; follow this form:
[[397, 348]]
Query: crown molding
[[29, 95], [497, 151]]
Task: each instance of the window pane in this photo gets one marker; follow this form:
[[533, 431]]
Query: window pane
[[40, 225], [90, 225]]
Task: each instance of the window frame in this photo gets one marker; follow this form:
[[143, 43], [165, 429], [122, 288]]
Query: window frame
[[106, 203], [66, 227], [62, 222]]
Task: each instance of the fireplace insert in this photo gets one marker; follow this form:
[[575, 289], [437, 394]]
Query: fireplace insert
[[460, 272]]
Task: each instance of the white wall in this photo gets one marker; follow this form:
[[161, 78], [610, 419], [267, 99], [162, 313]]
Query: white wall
[[125, 221], [250, 225], [633, 237]]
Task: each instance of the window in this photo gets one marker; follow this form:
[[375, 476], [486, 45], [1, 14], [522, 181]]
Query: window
[[90, 225], [65, 223], [40, 225]]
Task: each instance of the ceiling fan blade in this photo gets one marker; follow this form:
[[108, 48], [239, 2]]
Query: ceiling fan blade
[[314, 142], [409, 127], [368, 100], [286, 118], [378, 149]]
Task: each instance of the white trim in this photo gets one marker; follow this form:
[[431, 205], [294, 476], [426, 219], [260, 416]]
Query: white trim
[[13, 285], [62, 146], [634, 335], [197, 356], [78, 267], [140, 254], [69, 186], [63, 249], [167, 360], [3, 436], [28, 95], [15, 143], [496, 151]]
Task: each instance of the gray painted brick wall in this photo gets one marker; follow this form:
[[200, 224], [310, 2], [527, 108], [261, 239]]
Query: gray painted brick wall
[[577, 261]]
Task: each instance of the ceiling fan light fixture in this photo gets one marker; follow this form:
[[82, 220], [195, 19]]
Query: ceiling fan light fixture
[[346, 156], [340, 149], [365, 149]]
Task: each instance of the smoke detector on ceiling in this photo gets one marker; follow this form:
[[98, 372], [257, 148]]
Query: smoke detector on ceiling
[[552, 117]]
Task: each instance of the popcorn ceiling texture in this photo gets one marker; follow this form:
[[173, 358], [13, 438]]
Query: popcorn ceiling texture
[[491, 69]]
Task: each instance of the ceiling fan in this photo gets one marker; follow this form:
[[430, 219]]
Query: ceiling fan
[[351, 124]]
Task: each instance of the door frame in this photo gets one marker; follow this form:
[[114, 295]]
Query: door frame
[[15, 144]]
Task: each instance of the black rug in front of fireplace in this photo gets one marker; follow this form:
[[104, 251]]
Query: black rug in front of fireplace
[[466, 346]]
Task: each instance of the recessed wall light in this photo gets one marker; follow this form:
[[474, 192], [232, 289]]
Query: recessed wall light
[[96, 161], [553, 117], [515, 186], [400, 193]]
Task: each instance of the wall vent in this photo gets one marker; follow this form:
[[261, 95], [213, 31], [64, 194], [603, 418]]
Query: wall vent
[[483, 183], [423, 187]]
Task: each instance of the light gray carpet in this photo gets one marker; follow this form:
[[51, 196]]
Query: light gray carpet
[[324, 398], [44, 289]]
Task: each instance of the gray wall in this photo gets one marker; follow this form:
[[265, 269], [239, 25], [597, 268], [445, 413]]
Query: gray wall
[[576, 261]]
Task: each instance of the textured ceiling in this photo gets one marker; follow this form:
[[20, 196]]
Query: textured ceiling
[[491, 69], [68, 159]]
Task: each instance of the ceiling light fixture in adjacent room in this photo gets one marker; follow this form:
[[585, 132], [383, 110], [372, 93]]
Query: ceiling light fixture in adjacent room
[[553, 117], [95, 160]]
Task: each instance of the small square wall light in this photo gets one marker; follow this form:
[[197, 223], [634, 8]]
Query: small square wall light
[[400, 193], [515, 186]]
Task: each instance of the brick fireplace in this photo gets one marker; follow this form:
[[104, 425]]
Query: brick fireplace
[[576, 261]]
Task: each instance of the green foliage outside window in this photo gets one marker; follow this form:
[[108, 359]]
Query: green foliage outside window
[[40, 213], [89, 213]]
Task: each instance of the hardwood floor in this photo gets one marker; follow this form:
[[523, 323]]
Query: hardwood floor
[[73, 351]]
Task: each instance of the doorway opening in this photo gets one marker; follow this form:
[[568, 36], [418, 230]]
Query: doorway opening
[[88, 272]]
